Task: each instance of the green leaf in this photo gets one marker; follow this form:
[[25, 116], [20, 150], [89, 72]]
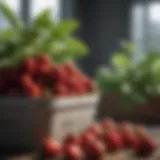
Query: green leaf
[[120, 61], [6, 34], [127, 47], [14, 21], [43, 20], [107, 81], [65, 28]]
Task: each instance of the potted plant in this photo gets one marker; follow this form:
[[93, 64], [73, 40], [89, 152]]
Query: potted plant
[[129, 87], [34, 59]]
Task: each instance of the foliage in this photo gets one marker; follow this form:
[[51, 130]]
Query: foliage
[[42, 35], [133, 81]]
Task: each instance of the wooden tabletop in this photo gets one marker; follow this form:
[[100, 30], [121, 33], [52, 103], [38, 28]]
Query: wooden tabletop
[[123, 155]]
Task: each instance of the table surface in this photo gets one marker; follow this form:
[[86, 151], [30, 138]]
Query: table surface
[[124, 155]]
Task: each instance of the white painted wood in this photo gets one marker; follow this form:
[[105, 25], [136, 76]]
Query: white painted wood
[[78, 113]]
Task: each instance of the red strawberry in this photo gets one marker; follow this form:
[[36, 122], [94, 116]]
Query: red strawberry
[[146, 147], [78, 89], [61, 90], [72, 81], [113, 141], [86, 139], [43, 69], [71, 139], [28, 65], [97, 130], [33, 91], [90, 85], [43, 59], [58, 74], [51, 148], [26, 80], [95, 150], [73, 152], [70, 68], [108, 124], [130, 139]]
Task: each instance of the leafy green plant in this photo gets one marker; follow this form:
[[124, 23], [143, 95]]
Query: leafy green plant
[[42, 35], [133, 81]]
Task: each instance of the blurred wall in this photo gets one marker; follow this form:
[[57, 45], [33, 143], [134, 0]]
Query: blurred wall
[[103, 24]]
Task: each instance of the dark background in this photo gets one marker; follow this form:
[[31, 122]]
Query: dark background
[[103, 24]]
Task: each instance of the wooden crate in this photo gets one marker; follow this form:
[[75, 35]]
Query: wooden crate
[[72, 115], [24, 123]]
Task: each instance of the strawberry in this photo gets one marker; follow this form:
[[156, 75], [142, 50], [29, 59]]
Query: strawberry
[[86, 139], [146, 146], [73, 152], [51, 148], [70, 68], [43, 59], [43, 69], [26, 80], [71, 139], [61, 90], [30, 88], [95, 150], [27, 65], [97, 130], [90, 85], [108, 124], [33, 91], [130, 139], [113, 141], [78, 89], [58, 74]]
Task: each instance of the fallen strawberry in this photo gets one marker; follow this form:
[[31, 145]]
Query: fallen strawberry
[[71, 139], [95, 150], [51, 148], [113, 141], [73, 152]]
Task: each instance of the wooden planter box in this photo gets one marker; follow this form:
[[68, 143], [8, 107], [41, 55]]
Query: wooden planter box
[[148, 113], [72, 115], [26, 122]]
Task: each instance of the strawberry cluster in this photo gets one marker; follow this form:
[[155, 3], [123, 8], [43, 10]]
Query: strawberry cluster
[[100, 139], [36, 77]]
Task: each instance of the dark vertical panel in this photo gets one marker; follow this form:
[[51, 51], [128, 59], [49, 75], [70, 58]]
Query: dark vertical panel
[[103, 24], [25, 10], [68, 8]]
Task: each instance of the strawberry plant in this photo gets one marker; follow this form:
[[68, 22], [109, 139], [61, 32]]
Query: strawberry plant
[[37, 58], [134, 81], [42, 35]]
